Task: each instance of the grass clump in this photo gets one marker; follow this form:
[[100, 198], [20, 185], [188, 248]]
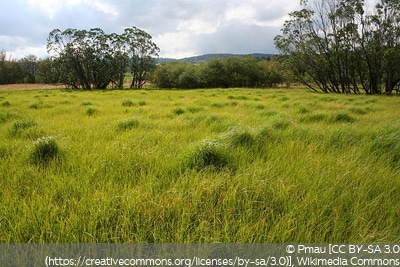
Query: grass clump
[[343, 118], [20, 125], [178, 111], [45, 150], [127, 103], [6, 115], [386, 146], [86, 103], [91, 111], [313, 118], [241, 138], [6, 104], [209, 154], [127, 124]]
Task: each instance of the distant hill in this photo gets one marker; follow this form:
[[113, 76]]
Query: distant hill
[[208, 57]]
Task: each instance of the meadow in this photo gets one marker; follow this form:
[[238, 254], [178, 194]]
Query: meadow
[[198, 166]]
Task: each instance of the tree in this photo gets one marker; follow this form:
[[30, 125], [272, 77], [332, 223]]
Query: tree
[[10, 70], [94, 59], [29, 66], [49, 71], [335, 46], [142, 53]]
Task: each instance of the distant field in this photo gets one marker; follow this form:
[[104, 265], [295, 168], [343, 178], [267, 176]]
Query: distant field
[[28, 86], [216, 165]]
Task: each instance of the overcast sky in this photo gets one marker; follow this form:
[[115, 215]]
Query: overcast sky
[[181, 28]]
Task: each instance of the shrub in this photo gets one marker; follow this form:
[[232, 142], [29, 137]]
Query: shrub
[[127, 124], [45, 149]]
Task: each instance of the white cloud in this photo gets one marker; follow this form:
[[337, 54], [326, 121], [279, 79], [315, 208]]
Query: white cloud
[[175, 44], [52, 7], [104, 7], [180, 28], [198, 26]]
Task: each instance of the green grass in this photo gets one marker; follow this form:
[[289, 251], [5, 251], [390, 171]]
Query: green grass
[[218, 165]]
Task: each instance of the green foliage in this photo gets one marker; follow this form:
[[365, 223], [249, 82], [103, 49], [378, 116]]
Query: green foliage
[[350, 48], [92, 59], [228, 72]]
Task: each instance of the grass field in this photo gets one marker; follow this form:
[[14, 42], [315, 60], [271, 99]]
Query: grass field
[[217, 165]]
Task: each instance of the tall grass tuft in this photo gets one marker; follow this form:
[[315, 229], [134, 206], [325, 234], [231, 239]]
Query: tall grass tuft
[[343, 117], [386, 146], [127, 103], [20, 125], [127, 124], [6, 104], [243, 138], [45, 150], [91, 111], [209, 154]]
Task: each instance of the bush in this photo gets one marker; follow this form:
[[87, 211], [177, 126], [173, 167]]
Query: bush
[[45, 150]]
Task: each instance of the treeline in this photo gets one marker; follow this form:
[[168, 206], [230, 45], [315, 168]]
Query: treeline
[[29, 69], [245, 71]]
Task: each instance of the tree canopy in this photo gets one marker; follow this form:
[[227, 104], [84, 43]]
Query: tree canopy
[[94, 59], [344, 46]]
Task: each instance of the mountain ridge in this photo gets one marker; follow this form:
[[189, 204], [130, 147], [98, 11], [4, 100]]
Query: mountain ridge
[[208, 57]]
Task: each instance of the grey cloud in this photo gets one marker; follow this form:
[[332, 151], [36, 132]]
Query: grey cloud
[[239, 38], [157, 17]]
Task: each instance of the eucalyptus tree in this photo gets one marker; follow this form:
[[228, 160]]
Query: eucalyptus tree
[[141, 52], [29, 65], [342, 46], [94, 59]]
